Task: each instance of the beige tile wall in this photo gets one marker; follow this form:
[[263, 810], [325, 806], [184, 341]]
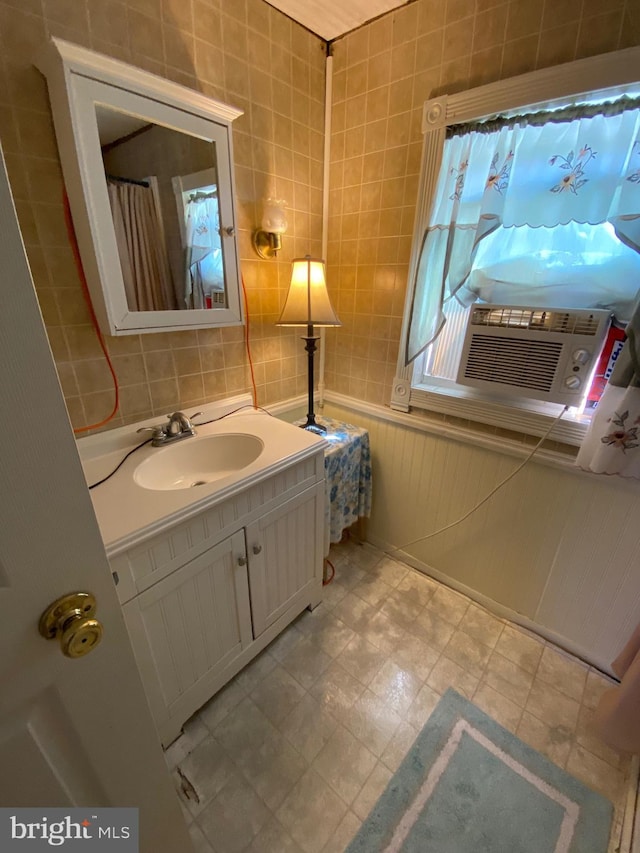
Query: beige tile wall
[[243, 52], [383, 73]]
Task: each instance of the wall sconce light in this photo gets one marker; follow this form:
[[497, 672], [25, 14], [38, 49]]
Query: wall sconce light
[[267, 241], [308, 304]]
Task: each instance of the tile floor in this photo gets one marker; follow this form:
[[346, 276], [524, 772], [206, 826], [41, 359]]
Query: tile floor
[[293, 753]]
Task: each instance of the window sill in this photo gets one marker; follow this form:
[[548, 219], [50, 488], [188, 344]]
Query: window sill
[[529, 417]]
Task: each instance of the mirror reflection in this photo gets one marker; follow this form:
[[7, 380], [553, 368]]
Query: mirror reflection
[[163, 192]]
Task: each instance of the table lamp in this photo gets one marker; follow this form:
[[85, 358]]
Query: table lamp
[[307, 304]]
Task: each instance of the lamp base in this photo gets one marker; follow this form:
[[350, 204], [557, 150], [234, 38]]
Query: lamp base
[[314, 427]]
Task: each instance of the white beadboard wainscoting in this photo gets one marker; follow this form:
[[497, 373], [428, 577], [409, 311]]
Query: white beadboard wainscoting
[[556, 549]]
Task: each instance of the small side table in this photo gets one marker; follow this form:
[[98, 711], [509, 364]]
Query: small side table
[[347, 467]]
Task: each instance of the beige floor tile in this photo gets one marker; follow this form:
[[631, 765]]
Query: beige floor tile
[[243, 731], [345, 763], [446, 673], [391, 571], [255, 671], [498, 707], [398, 746], [334, 593], [401, 608], [342, 837], [330, 634], [417, 587], [422, 706], [396, 686], [595, 772], [273, 838], [312, 812], [272, 769], [372, 721], [362, 659], [277, 694], [200, 843], [482, 626], [348, 574], [508, 678], [471, 654], [372, 589], [336, 688], [595, 686], [552, 707], [587, 738], [308, 727], [555, 742], [204, 771], [383, 633], [432, 630], [233, 819], [285, 642], [221, 704], [193, 733], [372, 790], [562, 672], [354, 612], [365, 556], [415, 656], [448, 605], [520, 648], [306, 662]]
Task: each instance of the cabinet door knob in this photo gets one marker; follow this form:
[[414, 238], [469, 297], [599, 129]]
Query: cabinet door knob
[[257, 549], [242, 561]]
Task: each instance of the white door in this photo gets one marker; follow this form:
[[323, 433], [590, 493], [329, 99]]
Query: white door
[[73, 732]]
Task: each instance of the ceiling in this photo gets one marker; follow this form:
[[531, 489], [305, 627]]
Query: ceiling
[[332, 18]]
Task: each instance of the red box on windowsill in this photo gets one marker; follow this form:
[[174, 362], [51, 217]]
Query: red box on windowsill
[[608, 357]]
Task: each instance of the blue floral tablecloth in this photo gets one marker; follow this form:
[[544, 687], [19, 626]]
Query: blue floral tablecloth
[[347, 467]]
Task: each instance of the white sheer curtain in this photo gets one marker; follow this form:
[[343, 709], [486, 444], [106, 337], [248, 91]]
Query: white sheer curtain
[[536, 191], [205, 274]]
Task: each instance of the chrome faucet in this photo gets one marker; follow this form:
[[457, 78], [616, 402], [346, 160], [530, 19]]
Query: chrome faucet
[[179, 427]]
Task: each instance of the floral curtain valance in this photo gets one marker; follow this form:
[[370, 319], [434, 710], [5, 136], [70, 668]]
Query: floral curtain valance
[[585, 171]]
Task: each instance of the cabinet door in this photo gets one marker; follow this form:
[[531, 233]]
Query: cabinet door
[[187, 628], [285, 557]]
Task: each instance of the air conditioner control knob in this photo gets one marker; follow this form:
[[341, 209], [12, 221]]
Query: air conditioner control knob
[[572, 383], [581, 356]]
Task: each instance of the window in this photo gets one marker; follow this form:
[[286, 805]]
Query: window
[[536, 208]]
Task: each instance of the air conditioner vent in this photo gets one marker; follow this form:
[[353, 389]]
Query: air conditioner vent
[[537, 319], [513, 361]]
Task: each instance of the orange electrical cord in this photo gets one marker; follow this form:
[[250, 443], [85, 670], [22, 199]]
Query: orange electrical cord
[[247, 344], [326, 580], [85, 290]]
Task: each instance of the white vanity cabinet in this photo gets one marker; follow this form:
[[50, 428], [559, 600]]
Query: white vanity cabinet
[[203, 597]]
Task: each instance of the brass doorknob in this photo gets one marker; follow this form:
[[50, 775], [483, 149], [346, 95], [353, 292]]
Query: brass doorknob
[[70, 620]]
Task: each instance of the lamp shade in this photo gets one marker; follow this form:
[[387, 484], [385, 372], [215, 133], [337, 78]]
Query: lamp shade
[[307, 301]]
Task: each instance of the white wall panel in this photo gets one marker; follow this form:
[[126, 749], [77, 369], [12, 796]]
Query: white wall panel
[[555, 546]]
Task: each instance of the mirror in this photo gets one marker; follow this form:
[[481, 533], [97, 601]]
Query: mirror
[[150, 183]]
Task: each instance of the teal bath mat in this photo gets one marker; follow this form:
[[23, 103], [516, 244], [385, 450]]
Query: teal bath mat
[[469, 786]]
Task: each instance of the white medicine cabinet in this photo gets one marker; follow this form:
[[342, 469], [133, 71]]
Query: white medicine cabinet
[[148, 169]]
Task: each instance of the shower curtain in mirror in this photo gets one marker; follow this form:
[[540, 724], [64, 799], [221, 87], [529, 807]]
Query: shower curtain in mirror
[[612, 442], [141, 246]]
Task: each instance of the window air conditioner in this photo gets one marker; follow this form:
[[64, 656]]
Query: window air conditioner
[[543, 353]]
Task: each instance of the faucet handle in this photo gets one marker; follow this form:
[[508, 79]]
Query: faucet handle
[[195, 415], [158, 431]]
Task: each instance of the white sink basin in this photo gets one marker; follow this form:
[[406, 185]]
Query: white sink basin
[[194, 462]]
